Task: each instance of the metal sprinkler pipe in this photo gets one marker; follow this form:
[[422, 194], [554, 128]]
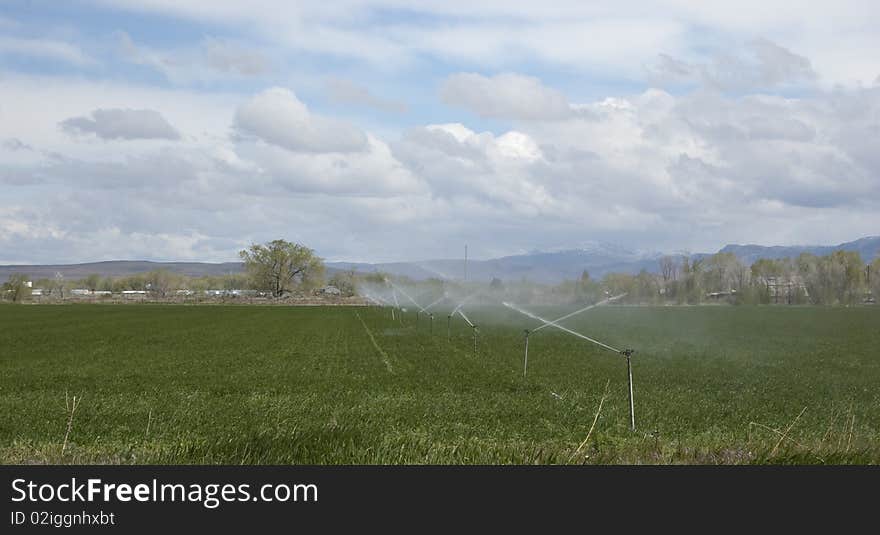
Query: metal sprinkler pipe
[[432, 324], [526, 356]]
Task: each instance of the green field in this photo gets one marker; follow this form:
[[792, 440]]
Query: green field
[[277, 385]]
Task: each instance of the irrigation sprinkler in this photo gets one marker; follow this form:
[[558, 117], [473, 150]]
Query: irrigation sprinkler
[[397, 305], [626, 353], [526, 356], [474, 327], [413, 301], [401, 290]]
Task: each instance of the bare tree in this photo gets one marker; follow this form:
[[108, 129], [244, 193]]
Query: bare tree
[[58, 284], [668, 269]]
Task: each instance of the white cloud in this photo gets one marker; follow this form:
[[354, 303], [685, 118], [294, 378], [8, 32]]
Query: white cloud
[[45, 48], [231, 57], [729, 156], [372, 171], [277, 117], [604, 38], [653, 170], [345, 91], [761, 65], [506, 96], [121, 124], [209, 60]]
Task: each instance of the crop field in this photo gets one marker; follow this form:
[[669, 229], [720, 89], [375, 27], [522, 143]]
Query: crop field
[[173, 384]]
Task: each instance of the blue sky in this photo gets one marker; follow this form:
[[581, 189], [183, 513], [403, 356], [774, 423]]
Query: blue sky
[[387, 130]]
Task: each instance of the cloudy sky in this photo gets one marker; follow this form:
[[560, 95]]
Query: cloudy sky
[[376, 131]]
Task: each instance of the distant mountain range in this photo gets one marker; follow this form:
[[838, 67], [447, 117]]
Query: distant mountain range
[[868, 248], [120, 268], [598, 259], [539, 266]]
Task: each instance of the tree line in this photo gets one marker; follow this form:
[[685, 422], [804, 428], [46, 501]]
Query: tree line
[[279, 268], [275, 269], [841, 278]]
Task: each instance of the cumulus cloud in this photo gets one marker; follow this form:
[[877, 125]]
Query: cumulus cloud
[[276, 116], [652, 170], [118, 123], [505, 96], [497, 172], [367, 173]]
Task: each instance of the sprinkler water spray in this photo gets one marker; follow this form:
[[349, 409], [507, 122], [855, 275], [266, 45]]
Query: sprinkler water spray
[[556, 321], [579, 311], [441, 298]]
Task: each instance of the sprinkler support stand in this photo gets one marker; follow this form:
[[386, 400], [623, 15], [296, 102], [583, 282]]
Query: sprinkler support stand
[[475, 340], [629, 375], [449, 328], [526, 357], [432, 324]]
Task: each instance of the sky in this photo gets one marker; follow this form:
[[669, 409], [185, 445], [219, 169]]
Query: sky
[[389, 130]]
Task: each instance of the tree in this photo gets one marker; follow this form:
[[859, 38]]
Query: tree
[[279, 265], [668, 269], [16, 288], [58, 284], [91, 282], [873, 277], [692, 272], [765, 274], [160, 282], [724, 272]]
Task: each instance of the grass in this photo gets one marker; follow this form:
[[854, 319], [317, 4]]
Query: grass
[[175, 384]]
